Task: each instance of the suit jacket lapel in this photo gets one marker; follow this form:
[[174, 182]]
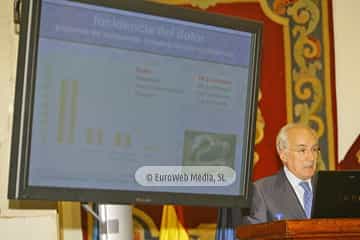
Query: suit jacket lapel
[[295, 209]]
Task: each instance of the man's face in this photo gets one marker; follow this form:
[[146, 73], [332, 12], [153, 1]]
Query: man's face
[[302, 152]]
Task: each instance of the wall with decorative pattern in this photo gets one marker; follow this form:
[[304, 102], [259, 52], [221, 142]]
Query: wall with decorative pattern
[[306, 75]]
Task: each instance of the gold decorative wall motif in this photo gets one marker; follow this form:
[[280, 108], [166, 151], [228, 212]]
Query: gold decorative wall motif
[[259, 134], [309, 92]]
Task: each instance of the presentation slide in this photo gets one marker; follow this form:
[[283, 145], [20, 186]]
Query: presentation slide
[[128, 101]]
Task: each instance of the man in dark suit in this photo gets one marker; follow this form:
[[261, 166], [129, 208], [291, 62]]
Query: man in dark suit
[[287, 194]]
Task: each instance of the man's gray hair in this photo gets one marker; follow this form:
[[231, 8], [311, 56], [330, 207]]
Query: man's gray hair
[[282, 141]]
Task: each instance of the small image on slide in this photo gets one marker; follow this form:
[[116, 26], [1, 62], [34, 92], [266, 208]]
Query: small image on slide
[[209, 149]]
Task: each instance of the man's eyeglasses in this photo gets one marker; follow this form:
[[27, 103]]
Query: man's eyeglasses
[[303, 151]]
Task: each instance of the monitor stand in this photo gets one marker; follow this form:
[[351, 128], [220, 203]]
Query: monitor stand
[[115, 221]]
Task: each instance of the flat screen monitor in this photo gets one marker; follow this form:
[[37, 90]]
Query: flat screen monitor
[[134, 102], [337, 195]]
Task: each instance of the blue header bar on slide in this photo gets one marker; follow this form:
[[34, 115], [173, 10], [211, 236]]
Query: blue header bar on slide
[[67, 21]]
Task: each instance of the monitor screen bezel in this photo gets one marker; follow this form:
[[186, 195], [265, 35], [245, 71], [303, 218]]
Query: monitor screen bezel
[[19, 187]]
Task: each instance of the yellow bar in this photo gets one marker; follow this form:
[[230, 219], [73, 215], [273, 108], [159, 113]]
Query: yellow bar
[[128, 140], [73, 113], [89, 136], [117, 139]]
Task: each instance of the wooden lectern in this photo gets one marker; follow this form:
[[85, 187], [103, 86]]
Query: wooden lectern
[[314, 229]]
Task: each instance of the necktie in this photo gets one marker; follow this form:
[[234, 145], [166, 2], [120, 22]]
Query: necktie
[[307, 198]]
